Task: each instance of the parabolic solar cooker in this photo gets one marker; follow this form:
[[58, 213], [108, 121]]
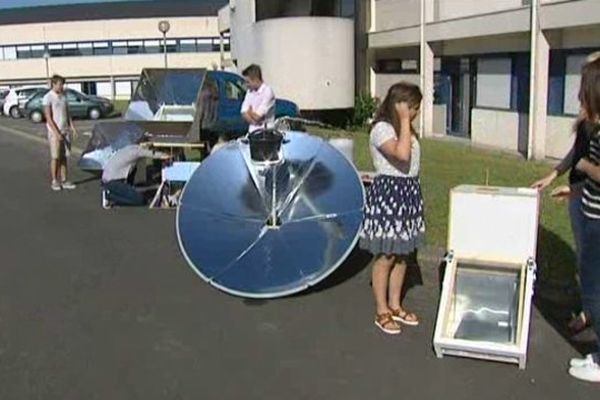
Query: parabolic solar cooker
[[271, 214], [485, 305]]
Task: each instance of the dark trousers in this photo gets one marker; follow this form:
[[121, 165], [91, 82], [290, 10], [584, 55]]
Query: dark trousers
[[590, 270], [121, 193]]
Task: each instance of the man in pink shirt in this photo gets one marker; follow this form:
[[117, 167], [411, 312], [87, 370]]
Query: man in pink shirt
[[258, 108]]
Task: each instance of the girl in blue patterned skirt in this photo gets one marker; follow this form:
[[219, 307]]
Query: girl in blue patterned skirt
[[394, 225]]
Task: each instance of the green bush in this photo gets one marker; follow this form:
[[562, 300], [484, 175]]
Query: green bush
[[364, 108]]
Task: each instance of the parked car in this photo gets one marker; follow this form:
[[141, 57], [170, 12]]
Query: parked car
[[3, 94], [80, 106], [16, 96]]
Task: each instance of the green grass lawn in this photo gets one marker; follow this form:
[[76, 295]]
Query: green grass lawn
[[445, 165], [120, 106]]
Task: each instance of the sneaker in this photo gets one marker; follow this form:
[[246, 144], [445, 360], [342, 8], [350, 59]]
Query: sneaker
[[582, 362], [55, 186], [106, 204], [68, 185], [588, 373]]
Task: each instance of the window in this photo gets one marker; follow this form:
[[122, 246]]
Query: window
[[70, 49], [55, 50], [38, 51], [72, 96], [187, 45], [234, 90], [101, 48], [397, 66], [574, 63], [89, 88], [123, 88], [135, 47], [104, 89], [171, 46], [494, 77], [119, 47], [23, 52], [85, 49], [10, 53], [152, 46], [204, 44]]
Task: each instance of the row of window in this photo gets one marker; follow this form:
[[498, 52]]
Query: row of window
[[116, 47], [502, 81]]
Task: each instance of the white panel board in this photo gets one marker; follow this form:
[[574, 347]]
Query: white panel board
[[494, 82], [494, 224]]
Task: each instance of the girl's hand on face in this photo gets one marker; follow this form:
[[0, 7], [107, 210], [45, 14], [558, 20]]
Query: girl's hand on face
[[403, 111]]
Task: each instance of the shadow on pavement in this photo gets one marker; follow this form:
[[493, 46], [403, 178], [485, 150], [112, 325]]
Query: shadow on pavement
[[557, 293]]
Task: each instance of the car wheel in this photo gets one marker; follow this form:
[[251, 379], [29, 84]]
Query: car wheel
[[14, 112], [94, 113], [36, 116]]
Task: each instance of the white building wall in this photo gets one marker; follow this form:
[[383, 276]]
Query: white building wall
[[309, 60], [495, 128], [393, 14], [451, 9], [559, 136]]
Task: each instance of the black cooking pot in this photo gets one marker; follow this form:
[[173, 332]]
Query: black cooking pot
[[265, 144]]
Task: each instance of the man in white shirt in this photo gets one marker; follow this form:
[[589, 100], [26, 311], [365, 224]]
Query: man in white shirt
[[59, 123], [258, 108], [117, 190]]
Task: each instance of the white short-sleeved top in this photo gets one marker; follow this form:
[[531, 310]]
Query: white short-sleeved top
[[262, 102], [381, 133], [58, 104]]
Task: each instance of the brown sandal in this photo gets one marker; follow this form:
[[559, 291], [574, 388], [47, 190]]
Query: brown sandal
[[381, 320], [405, 317]]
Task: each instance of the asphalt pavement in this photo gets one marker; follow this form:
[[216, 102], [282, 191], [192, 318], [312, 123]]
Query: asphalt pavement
[[98, 304]]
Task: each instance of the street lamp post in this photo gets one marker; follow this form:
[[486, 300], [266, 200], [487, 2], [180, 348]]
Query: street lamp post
[[164, 27], [46, 59]]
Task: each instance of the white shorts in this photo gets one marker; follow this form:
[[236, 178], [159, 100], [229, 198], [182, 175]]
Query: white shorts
[[59, 149]]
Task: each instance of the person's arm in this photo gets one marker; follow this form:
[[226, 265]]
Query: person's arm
[[71, 124], [400, 148], [267, 103], [50, 120], [563, 166], [246, 110], [590, 169], [145, 152]]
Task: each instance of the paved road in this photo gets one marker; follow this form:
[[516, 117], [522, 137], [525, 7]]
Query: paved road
[[100, 305]]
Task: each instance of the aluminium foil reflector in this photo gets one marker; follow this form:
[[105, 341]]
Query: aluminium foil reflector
[[166, 95], [269, 230], [106, 139]]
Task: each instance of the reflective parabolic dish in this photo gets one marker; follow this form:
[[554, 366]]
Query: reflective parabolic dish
[[223, 218]]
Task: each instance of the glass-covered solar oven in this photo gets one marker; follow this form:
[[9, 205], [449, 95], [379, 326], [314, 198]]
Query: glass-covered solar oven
[[485, 304]]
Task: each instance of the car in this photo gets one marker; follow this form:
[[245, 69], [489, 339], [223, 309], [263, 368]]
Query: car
[[16, 96], [80, 106], [3, 94]]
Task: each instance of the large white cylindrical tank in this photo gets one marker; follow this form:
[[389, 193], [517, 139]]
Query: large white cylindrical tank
[[309, 60]]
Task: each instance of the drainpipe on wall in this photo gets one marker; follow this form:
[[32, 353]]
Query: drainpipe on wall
[[533, 78], [422, 67]]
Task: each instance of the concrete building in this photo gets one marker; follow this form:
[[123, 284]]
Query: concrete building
[[305, 48], [502, 73], [102, 47]]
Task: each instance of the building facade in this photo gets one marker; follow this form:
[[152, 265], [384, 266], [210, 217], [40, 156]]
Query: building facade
[[102, 48], [305, 48], [501, 73]]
